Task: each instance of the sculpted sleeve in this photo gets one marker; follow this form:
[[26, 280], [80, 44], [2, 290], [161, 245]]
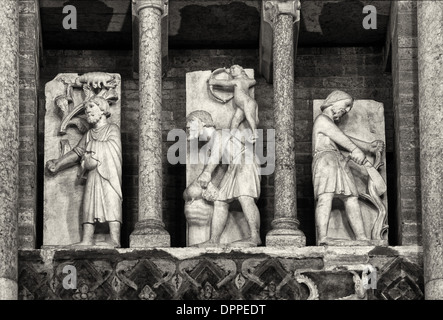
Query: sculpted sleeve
[[108, 152], [329, 129], [81, 146]]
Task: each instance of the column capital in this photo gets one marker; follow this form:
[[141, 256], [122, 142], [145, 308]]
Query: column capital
[[273, 8], [138, 5]]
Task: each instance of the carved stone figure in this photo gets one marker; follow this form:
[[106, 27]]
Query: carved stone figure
[[246, 106], [240, 181], [220, 198], [339, 160], [83, 184], [100, 155]]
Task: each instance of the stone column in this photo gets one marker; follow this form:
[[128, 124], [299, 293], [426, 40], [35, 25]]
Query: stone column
[[149, 230], [285, 232], [430, 66], [9, 119]]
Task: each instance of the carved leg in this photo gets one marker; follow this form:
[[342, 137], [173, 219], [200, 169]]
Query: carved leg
[[218, 223], [114, 232], [322, 214], [88, 235], [253, 217], [251, 116], [353, 212], [238, 117]]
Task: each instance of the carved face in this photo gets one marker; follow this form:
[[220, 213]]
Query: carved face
[[93, 113], [235, 71], [340, 108], [194, 128]]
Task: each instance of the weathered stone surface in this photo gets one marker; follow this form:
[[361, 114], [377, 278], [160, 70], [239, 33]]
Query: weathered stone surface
[[150, 131], [199, 212], [137, 5], [64, 191], [9, 289], [29, 61], [214, 273], [285, 224], [406, 120], [365, 122], [9, 144], [430, 66], [399, 279]]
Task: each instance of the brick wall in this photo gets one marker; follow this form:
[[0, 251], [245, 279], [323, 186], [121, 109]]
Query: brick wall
[[29, 46], [403, 28], [318, 71]]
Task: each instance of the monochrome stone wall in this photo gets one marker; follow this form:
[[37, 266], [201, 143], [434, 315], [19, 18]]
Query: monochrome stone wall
[[329, 49]]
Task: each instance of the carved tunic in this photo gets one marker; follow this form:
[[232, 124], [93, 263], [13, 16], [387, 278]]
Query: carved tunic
[[241, 178], [102, 196], [330, 168]]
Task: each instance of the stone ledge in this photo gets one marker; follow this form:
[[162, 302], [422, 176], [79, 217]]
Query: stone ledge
[[325, 252], [325, 273]]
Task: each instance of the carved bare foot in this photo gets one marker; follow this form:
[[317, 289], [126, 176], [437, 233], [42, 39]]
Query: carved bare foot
[[257, 241], [112, 243], [114, 234], [247, 242], [208, 244], [83, 243], [116, 244], [88, 236], [323, 241]]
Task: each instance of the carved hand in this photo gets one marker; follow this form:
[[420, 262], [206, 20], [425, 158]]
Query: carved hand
[[89, 162], [377, 145], [358, 156], [52, 166], [204, 179]]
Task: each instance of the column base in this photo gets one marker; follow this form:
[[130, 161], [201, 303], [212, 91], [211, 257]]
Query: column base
[[8, 289], [285, 238], [285, 233], [149, 234]]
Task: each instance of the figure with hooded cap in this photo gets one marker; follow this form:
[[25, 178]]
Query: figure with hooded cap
[[332, 177], [100, 155]]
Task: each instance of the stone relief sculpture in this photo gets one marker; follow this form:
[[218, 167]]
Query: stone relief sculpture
[[84, 116], [246, 106], [359, 287], [348, 186], [217, 190]]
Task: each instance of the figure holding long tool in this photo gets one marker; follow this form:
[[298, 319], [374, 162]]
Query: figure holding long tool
[[332, 177]]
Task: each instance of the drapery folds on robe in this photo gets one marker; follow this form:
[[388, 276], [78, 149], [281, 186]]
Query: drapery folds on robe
[[101, 162]]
